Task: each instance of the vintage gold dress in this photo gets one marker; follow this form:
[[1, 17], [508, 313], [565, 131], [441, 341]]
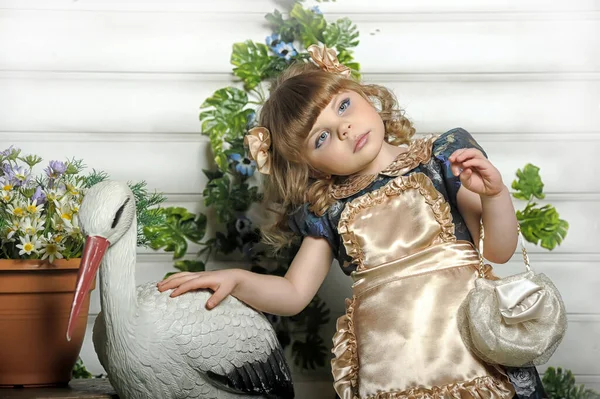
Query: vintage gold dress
[[412, 264]]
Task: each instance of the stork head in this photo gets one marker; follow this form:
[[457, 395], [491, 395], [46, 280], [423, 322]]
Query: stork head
[[106, 214]]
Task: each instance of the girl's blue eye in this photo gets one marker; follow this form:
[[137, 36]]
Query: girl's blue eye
[[344, 105], [321, 139]]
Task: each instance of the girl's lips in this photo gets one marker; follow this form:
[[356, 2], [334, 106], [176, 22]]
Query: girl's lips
[[361, 141]]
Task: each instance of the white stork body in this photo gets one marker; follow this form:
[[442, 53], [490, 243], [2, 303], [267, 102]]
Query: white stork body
[[155, 346]]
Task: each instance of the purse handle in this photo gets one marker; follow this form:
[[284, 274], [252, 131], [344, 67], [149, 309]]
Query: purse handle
[[480, 251]]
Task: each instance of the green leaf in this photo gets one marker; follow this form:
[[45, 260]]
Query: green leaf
[[79, 370], [310, 353], [342, 35], [345, 57], [528, 183], [180, 226], [560, 384], [217, 195], [252, 60], [224, 115], [542, 225], [189, 265], [287, 29], [316, 314], [242, 196], [312, 25], [212, 174]]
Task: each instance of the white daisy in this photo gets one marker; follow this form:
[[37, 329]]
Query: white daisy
[[33, 208], [5, 184], [13, 228], [6, 196], [17, 210], [28, 245], [32, 226], [51, 249]]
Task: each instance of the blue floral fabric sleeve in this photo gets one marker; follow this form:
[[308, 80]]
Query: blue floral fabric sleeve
[[305, 223], [443, 147]]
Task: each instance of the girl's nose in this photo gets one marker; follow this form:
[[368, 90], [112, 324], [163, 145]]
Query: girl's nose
[[344, 130]]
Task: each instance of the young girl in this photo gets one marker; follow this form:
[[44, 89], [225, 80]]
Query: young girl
[[399, 215]]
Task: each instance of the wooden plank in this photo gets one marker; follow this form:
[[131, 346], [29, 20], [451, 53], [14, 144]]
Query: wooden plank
[[347, 6], [170, 104], [145, 41], [173, 163]]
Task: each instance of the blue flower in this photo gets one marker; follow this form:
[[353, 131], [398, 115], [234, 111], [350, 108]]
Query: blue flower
[[271, 40], [55, 169], [246, 167], [243, 165], [316, 10], [235, 157], [39, 197], [285, 50], [17, 175]]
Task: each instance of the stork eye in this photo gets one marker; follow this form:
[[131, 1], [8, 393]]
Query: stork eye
[[118, 214]]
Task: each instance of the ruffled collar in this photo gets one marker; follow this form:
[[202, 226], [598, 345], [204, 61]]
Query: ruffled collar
[[418, 152]]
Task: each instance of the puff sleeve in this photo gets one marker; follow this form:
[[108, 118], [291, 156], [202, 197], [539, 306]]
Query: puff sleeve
[[443, 147], [305, 223]]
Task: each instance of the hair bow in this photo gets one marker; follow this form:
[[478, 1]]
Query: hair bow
[[258, 141], [327, 60]]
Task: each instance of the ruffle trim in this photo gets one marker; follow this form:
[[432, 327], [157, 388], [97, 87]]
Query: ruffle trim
[[345, 364], [417, 181], [418, 152], [480, 387]]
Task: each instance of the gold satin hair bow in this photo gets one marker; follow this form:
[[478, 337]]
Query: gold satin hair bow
[[327, 60], [258, 141]]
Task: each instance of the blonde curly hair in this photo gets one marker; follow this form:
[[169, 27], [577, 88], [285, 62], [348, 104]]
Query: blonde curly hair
[[296, 99]]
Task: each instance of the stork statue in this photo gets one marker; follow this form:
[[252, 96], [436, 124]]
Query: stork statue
[[155, 346]]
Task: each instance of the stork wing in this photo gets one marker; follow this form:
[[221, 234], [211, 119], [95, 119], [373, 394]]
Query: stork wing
[[232, 345]]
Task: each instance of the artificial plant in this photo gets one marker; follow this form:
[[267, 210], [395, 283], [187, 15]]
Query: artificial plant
[[560, 384], [539, 224]]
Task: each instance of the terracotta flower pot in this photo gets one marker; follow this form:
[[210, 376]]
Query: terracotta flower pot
[[35, 301]]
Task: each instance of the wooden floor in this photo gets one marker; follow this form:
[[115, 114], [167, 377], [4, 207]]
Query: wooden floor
[[85, 389]]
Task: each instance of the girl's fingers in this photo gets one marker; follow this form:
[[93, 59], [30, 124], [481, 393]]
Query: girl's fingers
[[465, 177], [465, 154], [176, 282], [479, 163], [452, 157], [216, 298], [193, 284], [173, 277]]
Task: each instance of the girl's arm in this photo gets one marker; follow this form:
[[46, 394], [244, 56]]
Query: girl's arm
[[483, 196], [284, 296], [499, 222]]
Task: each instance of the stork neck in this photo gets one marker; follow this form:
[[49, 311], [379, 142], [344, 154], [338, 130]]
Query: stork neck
[[118, 293]]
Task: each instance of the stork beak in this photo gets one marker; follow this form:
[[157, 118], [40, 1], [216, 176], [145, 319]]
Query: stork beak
[[93, 251]]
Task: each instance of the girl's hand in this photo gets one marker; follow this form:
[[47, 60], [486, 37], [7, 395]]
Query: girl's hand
[[477, 174], [222, 282]]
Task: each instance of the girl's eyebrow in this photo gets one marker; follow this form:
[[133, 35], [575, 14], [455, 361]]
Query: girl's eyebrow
[[334, 101]]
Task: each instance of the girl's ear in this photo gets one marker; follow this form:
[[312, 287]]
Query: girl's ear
[[375, 102]]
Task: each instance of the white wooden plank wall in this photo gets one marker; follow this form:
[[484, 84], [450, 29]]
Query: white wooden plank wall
[[119, 84]]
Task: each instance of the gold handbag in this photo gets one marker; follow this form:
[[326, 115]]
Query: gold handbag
[[516, 321]]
